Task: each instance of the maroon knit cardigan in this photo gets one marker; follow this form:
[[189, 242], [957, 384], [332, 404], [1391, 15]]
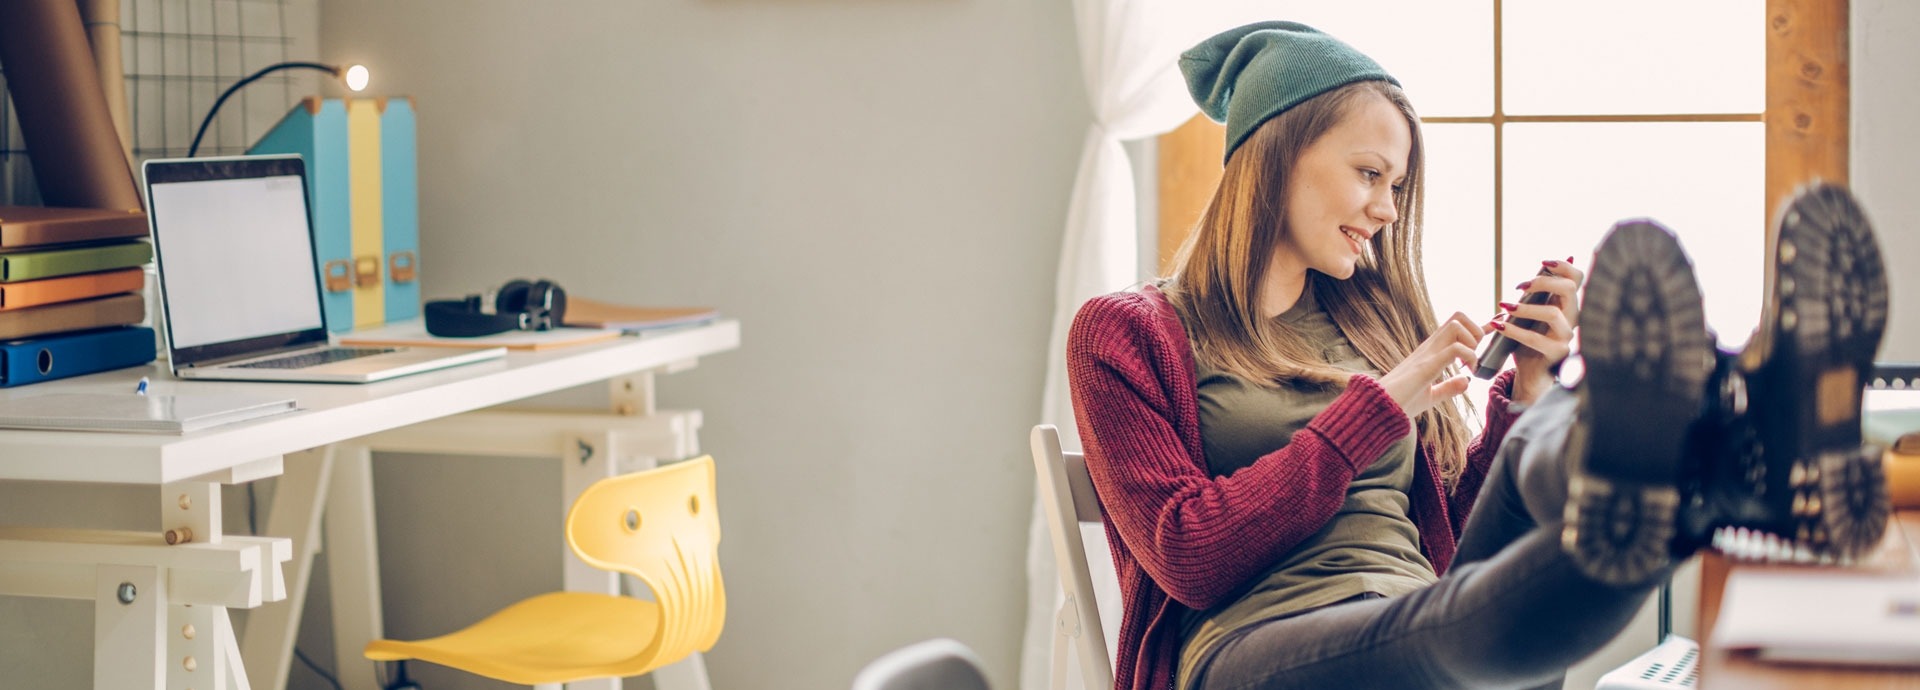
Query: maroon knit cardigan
[[1182, 539]]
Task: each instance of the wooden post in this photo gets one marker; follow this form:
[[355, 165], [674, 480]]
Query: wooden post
[[1807, 135], [1807, 95], [1190, 166], [102, 19]]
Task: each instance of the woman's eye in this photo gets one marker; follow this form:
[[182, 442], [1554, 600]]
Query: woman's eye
[[1399, 189], [1370, 174]]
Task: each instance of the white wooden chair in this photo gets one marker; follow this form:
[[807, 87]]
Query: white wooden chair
[[1066, 494]]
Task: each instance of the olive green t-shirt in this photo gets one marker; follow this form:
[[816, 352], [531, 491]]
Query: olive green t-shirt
[[1370, 545]]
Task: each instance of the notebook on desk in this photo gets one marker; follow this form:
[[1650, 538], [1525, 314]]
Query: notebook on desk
[[1866, 614], [1811, 616], [239, 289]]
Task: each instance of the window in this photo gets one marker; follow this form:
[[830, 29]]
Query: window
[[1547, 122]]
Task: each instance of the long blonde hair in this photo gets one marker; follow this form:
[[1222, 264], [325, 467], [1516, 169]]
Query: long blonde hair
[[1383, 308]]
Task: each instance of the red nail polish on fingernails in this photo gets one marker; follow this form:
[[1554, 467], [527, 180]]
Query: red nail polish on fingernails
[[1550, 263], [1499, 326], [1509, 306], [1569, 259], [1524, 285]]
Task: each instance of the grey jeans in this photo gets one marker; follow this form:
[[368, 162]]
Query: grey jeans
[[1512, 612]]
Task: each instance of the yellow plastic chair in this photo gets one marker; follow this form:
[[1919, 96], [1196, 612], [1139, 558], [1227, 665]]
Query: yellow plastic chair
[[660, 526]]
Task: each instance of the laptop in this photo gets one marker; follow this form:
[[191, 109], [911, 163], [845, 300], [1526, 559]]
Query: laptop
[[239, 290]]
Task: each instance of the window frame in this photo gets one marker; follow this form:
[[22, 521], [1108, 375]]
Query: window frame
[[1805, 122]]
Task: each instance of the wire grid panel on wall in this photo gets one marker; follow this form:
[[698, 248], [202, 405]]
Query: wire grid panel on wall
[[178, 55]]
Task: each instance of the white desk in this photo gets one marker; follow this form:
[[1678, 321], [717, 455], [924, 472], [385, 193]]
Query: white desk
[[176, 609]]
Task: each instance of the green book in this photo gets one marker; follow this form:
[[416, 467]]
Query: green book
[[15, 266]]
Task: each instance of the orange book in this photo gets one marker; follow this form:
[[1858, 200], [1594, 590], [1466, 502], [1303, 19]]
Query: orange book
[[586, 313], [69, 288], [28, 226], [100, 312], [1903, 479]]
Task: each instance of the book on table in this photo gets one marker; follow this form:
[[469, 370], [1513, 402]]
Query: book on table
[[32, 360], [1822, 616], [25, 226], [124, 309], [587, 313], [413, 332], [47, 263], [33, 293], [156, 413]]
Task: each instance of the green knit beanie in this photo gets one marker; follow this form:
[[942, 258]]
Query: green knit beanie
[[1245, 76]]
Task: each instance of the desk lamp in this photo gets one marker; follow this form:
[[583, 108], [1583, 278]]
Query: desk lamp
[[354, 76]]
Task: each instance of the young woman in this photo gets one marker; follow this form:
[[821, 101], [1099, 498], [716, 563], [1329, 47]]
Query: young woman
[[1274, 431]]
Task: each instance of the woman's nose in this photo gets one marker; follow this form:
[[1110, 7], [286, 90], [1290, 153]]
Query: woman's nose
[[1383, 209]]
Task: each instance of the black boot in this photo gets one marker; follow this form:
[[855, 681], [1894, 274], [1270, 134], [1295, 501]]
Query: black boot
[[1759, 452], [1798, 483], [1648, 360]]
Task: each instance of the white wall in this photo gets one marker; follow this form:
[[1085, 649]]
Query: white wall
[[1886, 100], [875, 188]]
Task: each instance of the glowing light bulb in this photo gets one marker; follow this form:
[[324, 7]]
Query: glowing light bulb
[[357, 77]]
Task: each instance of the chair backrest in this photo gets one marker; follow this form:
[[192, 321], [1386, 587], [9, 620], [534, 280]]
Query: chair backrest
[[1066, 495], [663, 527], [938, 664]]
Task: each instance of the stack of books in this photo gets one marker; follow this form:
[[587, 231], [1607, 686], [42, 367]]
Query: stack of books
[[70, 292]]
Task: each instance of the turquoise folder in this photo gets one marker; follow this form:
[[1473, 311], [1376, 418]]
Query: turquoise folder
[[369, 274], [400, 205], [317, 130]]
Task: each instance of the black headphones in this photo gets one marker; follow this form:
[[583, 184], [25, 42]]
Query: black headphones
[[520, 305]]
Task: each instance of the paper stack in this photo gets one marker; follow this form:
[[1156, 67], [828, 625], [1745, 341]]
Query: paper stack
[[164, 414]]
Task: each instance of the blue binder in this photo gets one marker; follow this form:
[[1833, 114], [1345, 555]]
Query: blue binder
[[33, 360], [400, 208], [363, 187], [317, 130]]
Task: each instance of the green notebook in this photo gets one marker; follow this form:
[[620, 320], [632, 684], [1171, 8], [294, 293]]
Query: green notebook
[[16, 266]]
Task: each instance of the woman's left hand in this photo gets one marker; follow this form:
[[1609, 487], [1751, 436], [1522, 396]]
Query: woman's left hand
[[1541, 351]]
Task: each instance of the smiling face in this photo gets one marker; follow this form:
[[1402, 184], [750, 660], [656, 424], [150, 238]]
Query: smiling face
[[1343, 190]]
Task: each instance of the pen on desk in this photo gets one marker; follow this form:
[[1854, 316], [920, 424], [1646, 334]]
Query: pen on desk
[[141, 388]]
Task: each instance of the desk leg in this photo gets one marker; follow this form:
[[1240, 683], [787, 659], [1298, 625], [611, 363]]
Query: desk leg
[[297, 502], [204, 654], [588, 458], [686, 674], [190, 512], [632, 395], [129, 621], [353, 567]]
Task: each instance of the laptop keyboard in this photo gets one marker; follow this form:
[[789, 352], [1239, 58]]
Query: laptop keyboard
[[314, 359]]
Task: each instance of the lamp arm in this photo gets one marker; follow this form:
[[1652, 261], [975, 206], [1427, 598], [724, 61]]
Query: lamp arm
[[195, 148]]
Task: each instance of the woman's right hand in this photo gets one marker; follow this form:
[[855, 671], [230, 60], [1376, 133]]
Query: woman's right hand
[[1413, 384]]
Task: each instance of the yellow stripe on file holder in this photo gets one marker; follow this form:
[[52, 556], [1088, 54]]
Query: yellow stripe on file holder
[[363, 142]]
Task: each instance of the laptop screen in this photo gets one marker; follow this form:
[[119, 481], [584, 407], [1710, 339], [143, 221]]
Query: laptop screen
[[235, 255]]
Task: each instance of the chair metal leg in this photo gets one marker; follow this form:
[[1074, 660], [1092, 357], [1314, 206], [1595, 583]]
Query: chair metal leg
[[298, 501], [687, 674], [1059, 676], [353, 566]]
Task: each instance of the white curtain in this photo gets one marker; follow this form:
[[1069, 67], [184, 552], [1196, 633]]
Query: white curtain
[[1128, 59]]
